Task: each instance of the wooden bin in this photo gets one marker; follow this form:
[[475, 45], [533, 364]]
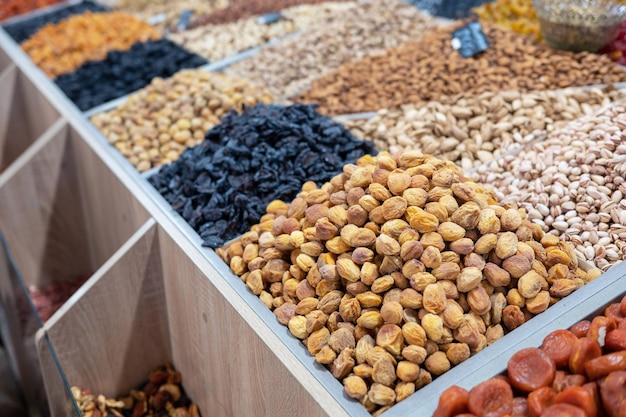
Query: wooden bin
[[151, 304], [25, 114], [63, 213]]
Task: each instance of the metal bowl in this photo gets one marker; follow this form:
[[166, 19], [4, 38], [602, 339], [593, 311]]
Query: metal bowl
[[579, 25]]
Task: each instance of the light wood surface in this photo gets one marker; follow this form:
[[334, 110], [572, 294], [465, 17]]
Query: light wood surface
[[113, 331], [5, 60], [29, 115], [226, 366], [63, 212]]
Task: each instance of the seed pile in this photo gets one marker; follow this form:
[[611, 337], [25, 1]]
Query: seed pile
[[430, 69], [241, 9], [517, 15], [573, 184], [156, 124], [123, 72], [23, 30], [289, 67], [398, 269], [10, 8], [215, 42], [162, 395], [63, 47], [222, 186], [470, 130]]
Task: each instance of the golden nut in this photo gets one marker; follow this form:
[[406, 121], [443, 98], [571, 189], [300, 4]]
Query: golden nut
[[390, 338], [420, 220], [450, 231], [355, 387]]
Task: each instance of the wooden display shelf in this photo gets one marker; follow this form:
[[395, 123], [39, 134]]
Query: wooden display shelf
[[69, 202]]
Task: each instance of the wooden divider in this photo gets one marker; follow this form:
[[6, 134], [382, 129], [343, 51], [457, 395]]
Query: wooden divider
[[24, 114], [63, 212]]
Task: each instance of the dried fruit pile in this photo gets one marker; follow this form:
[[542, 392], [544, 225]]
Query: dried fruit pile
[[572, 184], [162, 395], [10, 8], [23, 30], [63, 47], [517, 15], [290, 66], [470, 131], [156, 124], [398, 269], [579, 372], [123, 72], [215, 42], [222, 186], [430, 69]]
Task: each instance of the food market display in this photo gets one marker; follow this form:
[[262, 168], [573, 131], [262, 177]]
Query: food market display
[[430, 69], [325, 208], [156, 124], [218, 41], [580, 372], [289, 67], [222, 186], [472, 130], [572, 183], [398, 269]]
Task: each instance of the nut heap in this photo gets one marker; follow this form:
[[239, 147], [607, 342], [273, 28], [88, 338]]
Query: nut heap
[[430, 69], [169, 10], [573, 184], [62, 47], [470, 131], [290, 67], [398, 269], [157, 123], [163, 395], [215, 42], [241, 9]]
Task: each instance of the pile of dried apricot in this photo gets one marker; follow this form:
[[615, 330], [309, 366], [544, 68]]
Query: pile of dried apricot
[[580, 372]]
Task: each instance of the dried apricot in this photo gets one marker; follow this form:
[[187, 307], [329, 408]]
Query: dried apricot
[[531, 368], [558, 346], [492, 398], [584, 350], [453, 401]]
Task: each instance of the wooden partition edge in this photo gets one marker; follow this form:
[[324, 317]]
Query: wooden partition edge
[[33, 150], [106, 267], [8, 82]]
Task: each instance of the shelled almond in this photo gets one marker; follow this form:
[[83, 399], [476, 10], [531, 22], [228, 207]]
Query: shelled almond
[[572, 184], [430, 69], [470, 131], [399, 269]]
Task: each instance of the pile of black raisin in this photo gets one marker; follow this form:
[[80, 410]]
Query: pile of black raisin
[[123, 72], [24, 29], [223, 185]]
